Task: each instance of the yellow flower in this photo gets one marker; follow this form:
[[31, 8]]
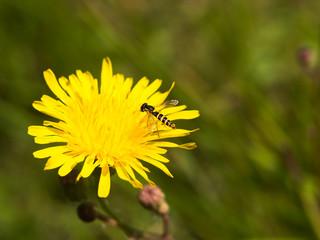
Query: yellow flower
[[105, 127]]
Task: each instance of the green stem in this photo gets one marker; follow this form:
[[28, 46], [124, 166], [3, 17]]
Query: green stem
[[165, 220], [126, 228], [131, 232]]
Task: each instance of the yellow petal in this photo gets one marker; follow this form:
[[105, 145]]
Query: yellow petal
[[50, 151], [56, 161], [50, 106], [135, 182], [87, 84], [170, 110], [51, 102], [154, 86], [54, 86], [43, 131], [66, 86], [41, 107], [135, 94], [156, 164], [170, 134], [106, 75], [153, 149], [158, 157], [158, 98], [188, 114], [69, 165], [119, 78], [126, 174], [121, 172], [187, 146], [132, 160], [139, 169], [60, 125], [76, 85], [104, 182], [88, 167], [49, 139], [126, 87]]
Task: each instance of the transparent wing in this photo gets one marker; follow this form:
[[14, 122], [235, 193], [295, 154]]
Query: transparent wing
[[168, 103], [152, 122]]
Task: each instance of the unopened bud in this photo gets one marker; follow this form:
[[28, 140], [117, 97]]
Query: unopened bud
[[87, 211], [305, 57], [153, 198]]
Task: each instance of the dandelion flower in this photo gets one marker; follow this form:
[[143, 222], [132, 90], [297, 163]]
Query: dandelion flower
[[105, 127]]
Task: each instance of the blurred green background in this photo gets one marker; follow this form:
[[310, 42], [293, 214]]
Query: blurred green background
[[251, 69]]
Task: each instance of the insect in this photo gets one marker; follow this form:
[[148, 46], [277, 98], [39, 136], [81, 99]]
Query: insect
[[151, 110]]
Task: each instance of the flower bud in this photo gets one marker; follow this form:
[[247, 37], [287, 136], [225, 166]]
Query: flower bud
[[305, 57], [87, 211], [152, 198]]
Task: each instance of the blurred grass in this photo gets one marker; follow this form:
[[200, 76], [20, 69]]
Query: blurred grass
[[255, 174]]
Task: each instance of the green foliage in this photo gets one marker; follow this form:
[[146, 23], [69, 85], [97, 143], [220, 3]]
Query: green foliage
[[256, 170]]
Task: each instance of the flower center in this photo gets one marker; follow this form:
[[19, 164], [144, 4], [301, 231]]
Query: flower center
[[105, 127]]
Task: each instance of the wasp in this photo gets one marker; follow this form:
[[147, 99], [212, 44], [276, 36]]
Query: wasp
[[151, 110]]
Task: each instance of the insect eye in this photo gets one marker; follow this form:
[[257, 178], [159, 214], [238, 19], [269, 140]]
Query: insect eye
[[143, 107]]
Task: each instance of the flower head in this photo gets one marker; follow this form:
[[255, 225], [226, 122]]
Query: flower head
[[153, 198], [105, 127]]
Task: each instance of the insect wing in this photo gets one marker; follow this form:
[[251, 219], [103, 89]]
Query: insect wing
[[152, 122], [168, 103]]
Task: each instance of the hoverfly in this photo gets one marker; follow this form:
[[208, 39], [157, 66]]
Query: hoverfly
[[151, 110]]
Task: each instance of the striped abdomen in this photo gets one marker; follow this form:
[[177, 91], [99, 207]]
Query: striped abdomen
[[163, 119]]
